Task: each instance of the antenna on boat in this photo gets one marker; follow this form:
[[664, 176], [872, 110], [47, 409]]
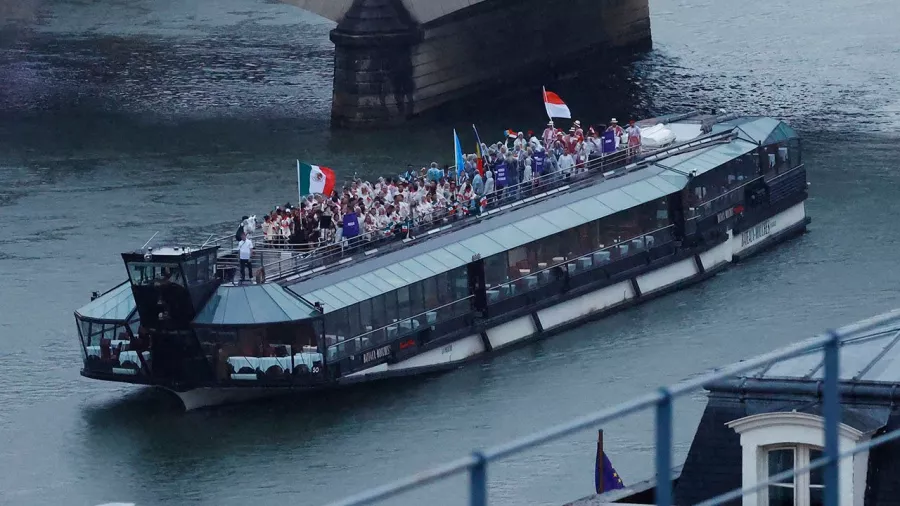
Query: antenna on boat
[[206, 241], [150, 239]]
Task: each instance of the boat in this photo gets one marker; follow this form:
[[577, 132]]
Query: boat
[[566, 248]]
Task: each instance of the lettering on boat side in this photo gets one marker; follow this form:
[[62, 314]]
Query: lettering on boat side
[[757, 232], [447, 349], [409, 343], [376, 354]]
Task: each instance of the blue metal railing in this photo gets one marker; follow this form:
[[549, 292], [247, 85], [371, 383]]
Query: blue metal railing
[[476, 464]]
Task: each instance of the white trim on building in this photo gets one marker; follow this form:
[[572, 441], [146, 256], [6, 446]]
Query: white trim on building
[[802, 432]]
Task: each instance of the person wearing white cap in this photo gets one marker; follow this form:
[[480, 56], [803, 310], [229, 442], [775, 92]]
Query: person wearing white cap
[[614, 127], [578, 131], [549, 135]]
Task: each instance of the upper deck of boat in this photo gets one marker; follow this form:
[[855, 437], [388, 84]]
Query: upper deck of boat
[[605, 185]]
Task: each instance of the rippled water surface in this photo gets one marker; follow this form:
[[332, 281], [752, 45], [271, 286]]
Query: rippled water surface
[[120, 118]]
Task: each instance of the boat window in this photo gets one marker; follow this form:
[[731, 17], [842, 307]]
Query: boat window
[[107, 346], [430, 289], [354, 328], [459, 278], [379, 312], [270, 353], [403, 302], [495, 269], [148, 273], [706, 189], [365, 316], [390, 307], [443, 288], [416, 298]]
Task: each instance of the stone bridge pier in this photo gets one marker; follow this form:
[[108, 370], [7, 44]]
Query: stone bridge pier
[[396, 58]]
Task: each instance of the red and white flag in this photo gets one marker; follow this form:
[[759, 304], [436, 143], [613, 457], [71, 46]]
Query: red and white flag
[[556, 108]]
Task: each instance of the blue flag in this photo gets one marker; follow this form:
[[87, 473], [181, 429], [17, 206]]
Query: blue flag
[[605, 476], [458, 153]]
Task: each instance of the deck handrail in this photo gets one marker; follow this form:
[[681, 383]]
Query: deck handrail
[[661, 400], [521, 192], [527, 191], [543, 186]]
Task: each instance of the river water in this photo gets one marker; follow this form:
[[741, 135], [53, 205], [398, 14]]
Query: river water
[[122, 118]]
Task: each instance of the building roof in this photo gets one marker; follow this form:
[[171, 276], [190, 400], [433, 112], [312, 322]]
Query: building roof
[[870, 357], [245, 305], [116, 305], [385, 273]]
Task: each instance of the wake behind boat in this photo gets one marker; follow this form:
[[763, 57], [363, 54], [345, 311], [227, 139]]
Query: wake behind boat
[[537, 257]]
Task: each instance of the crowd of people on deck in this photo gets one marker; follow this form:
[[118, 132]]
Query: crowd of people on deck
[[392, 206]]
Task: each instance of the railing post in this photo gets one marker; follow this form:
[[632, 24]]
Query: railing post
[[831, 406], [478, 481], [664, 448]]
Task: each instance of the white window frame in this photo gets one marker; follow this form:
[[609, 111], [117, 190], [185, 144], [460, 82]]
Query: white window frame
[[765, 431], [800, 485]]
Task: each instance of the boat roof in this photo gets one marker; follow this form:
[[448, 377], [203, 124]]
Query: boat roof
[[704, 160], [757, 129], [870, 357], [385, 273], [116, 305], [248, 305]]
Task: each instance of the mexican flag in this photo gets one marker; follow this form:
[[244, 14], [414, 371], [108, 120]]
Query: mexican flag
[[314, 179]]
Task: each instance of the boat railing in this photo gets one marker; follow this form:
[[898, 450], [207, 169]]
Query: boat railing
[[398, 328], [308, 259], [502, 199], [661, 401]]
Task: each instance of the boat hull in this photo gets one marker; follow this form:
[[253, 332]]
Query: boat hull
[[532, 323]]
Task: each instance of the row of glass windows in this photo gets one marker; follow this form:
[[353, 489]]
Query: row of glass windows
[[109, 347], [273, 352], [397, 305], [195, 271], [575, 242], [421, 297], [707, 190]]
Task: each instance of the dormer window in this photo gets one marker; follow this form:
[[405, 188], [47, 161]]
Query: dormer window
[[772, 443], [800, 490]]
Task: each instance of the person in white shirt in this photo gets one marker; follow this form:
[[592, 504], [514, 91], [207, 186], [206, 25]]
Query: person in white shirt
[[566, 164], [245, 251]]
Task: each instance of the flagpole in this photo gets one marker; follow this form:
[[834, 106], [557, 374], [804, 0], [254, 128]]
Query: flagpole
[[299, 197], [544, 88]]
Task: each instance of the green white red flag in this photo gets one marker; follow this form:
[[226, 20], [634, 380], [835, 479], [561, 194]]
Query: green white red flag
[[314, 179]]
